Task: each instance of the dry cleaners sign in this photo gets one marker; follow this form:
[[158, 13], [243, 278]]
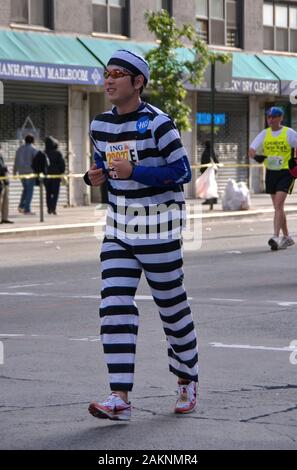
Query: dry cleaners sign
[[255, 87], [12, 70]]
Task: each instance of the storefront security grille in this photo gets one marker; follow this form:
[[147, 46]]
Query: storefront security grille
[[47, 109], [231, 138]]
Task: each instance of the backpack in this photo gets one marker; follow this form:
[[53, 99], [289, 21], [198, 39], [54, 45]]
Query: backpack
[[41, 163]]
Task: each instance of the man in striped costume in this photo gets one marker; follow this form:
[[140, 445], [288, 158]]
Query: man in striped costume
[[139, 152]]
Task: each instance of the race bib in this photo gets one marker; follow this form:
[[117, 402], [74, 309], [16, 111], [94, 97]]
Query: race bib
[[274, 163], [123, 150]]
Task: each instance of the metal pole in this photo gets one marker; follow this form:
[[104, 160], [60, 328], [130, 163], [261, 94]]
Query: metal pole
[[212, 110], [212, 107], [41, 198]]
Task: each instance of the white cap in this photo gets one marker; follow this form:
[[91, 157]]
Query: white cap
[[132, 62]]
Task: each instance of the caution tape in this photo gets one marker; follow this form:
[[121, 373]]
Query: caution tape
[[40, 176], [218, 166], [80, 175]]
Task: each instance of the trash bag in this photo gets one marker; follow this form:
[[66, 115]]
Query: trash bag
[[206, 186], [236, 196]]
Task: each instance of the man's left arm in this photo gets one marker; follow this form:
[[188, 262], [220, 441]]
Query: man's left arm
[[178, 172], [292, 138]]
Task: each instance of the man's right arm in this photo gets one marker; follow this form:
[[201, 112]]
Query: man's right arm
[[256, 143]]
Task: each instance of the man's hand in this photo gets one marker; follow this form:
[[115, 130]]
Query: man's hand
[[96, 176], [123, 168], [252, 153]]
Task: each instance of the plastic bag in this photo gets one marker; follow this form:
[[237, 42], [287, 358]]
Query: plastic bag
[[236, 196], [206, 186]]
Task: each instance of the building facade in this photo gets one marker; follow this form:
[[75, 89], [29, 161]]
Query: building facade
[[52, 55]]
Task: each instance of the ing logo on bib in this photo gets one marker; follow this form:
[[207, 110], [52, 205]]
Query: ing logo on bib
[[121, 150], [142, 124]]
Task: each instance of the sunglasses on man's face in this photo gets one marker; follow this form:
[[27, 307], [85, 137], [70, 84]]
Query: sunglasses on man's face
[[116, 73]]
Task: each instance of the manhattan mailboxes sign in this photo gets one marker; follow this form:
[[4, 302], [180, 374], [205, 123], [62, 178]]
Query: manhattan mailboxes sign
[[68, 74]]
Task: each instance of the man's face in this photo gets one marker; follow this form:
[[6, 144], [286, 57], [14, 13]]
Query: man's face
[[118, 84], [274, 121]]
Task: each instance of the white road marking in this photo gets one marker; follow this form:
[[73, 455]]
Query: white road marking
[[62, 296], [10, 336], [282, 303], [228, 300], [247, 346], [24, 336], [20, 286], [90, 339]]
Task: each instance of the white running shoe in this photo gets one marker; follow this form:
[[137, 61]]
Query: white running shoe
[[186, 401], [112, 408], [286, 242], [273, 242]]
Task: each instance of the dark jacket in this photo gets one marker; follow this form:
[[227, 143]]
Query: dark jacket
[[206, 158], [50, 161], [3, 172]]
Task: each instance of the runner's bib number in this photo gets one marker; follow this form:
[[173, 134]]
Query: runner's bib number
[[122, 150], [274, 163]]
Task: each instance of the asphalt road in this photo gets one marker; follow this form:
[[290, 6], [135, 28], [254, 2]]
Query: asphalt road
[[244, 304]]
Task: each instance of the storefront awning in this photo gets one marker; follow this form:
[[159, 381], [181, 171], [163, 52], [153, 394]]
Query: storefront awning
[[250, 75], [47, 57], [104, 48], [245, 74], [285, 68]]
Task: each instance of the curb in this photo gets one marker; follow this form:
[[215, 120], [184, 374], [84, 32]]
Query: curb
[[90, 227], [50, 229]]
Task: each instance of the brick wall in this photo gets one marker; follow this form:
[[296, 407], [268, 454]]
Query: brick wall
[[73, 16], [5, 12]]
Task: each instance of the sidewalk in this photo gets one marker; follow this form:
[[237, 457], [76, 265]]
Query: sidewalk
[[86, 218]]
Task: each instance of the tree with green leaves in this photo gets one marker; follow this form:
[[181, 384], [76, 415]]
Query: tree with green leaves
[[173, 64]]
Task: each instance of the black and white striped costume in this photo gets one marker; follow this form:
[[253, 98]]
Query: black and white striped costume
[[151, 140]]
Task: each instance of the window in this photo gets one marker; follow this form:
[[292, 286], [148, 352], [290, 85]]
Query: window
[[293, 28], [218, 21], [217, 9], [164, 5], [280, 27], [110, 16], [281, 16], [202, 8], [293, 17], [202, 19], [202, 29], [268, 14], [32, 12]]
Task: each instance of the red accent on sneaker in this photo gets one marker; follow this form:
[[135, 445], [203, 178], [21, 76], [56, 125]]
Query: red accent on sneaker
[[113, 408], [186, 401]]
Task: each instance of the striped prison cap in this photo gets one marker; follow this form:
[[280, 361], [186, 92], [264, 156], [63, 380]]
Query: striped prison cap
[[132, 62]]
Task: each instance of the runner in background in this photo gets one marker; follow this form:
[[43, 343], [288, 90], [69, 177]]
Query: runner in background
[[277, 142]]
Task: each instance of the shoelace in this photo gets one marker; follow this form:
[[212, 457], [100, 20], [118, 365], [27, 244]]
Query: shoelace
[[112, 398], [183, 393]]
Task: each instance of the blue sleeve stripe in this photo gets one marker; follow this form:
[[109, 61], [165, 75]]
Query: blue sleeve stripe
[[178, 172]]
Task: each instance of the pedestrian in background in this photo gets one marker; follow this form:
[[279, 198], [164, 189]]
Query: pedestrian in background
[[23, 166], [277, 142], [56, 166], [206, 158], [4, 189], [138, 149]]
